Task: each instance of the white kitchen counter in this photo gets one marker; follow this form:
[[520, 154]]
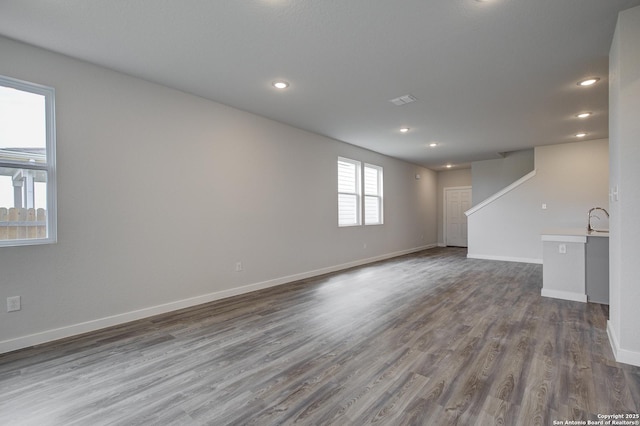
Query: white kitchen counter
[[570, 234]]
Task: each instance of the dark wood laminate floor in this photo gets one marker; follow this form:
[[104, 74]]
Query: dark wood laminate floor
[[426, 339]]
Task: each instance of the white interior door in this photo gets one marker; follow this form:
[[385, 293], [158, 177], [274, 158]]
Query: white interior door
[[456, 202]]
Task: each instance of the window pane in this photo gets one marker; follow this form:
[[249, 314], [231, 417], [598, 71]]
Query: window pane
[[371, 210], [371, 181], [347, 209], [22, 126], [23, 188], [347, 177], [23, 204]]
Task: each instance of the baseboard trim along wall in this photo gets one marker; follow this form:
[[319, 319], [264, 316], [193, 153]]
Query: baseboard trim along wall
[[505, 258], [98, 324], [565, 295], [621, 355]]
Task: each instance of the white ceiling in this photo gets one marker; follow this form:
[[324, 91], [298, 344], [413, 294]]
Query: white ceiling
[[490, 77]]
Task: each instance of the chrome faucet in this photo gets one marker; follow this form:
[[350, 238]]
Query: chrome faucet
[[590, 215]]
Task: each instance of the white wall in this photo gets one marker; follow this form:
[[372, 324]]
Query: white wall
[[448, 179], [490, 176], [624, 133], [160, 193], [570, 179]]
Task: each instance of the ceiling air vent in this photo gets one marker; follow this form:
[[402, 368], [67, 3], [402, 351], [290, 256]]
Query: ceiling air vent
[[402, 100]]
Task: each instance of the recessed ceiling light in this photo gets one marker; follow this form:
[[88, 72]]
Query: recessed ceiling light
[[404, 129], [433, 144], [584, 114], [448, 166], [581, 135], [280, 84], [589, 81]]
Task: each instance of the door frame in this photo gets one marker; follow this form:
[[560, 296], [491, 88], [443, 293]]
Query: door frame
[[444, 209]]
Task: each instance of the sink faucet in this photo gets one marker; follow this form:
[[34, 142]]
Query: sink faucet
[[590, 215]]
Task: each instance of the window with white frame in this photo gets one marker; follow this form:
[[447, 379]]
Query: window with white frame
[[348, 192], [27, 163], [372, 195], [359, 193]]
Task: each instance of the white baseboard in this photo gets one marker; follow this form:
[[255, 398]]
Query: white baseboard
[[621, 355], [505, 258], [566, 295], [97, 324]]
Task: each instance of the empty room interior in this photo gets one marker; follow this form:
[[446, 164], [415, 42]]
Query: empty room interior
[[275, 212]]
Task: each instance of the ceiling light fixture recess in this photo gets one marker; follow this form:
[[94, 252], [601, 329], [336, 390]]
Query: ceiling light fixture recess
[[433, 144], [448, 166], [280, 84], [588, 81], [584, 114], [404, 129], [581, 135]]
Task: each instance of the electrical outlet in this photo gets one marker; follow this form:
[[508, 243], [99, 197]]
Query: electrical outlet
[[13, 304], [562, 248], [238, 266]]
